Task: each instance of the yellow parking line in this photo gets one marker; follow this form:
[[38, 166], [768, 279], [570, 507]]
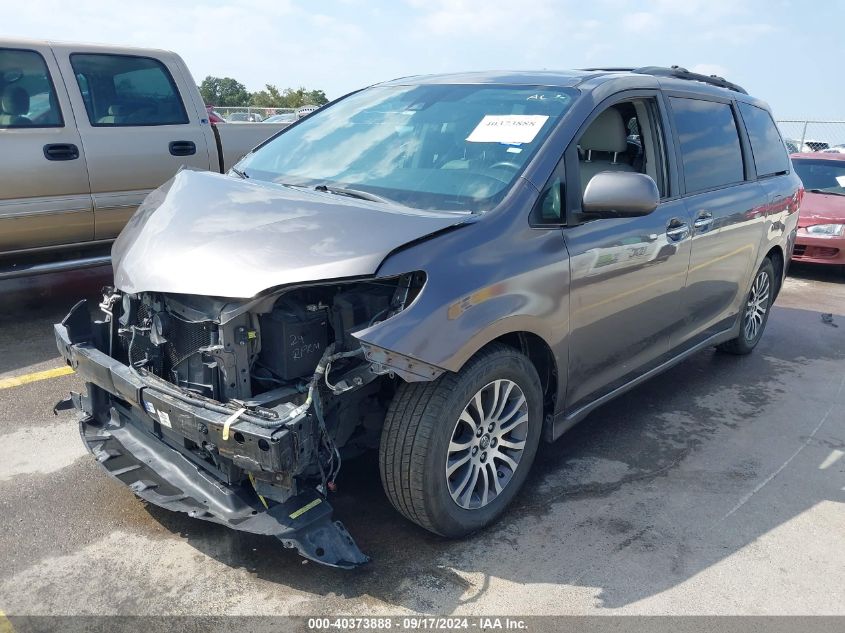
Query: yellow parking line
[[5, 625], [16, 381]]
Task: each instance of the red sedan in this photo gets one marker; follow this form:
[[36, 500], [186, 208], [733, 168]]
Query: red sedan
[[821, 224], [213, 117]]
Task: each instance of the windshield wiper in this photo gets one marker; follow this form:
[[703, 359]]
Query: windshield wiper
[[830, 193], [240, 173], [354, 193]]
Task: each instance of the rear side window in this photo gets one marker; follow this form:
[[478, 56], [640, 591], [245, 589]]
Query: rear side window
[[710, 149], [124, 90], [27, 95], [766, 144]]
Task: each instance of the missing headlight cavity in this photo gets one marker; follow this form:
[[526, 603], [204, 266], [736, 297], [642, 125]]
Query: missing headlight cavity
[[302, 323], [289, 360], [277, 342]]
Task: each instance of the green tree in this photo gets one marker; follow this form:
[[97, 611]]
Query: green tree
[[268, 98], [223, 91], [271, 97], [300, 97], [316, 97]]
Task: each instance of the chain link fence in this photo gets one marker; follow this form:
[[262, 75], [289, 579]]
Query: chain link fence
[[813, 136], [251, 114]]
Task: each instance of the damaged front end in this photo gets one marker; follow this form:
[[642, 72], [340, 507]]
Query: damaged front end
[[239, 412]]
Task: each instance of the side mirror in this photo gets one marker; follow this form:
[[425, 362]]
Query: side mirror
[[620, 194]]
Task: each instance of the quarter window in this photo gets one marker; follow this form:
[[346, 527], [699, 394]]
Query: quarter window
[[124, 90], [766, 144], [27, 95], [710, 149]]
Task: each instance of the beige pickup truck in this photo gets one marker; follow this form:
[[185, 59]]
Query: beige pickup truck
[[85, 133]]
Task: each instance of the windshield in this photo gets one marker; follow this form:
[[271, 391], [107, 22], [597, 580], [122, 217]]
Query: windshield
[[824, 175], [446, 147]]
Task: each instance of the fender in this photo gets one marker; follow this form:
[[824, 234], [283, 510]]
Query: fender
[[470, 298]]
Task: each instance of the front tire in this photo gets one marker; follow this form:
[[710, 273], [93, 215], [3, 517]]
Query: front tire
[[755, 312], [455, 452]]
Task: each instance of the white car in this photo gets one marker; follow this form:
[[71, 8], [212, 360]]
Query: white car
[[287, 117], [836, 149]]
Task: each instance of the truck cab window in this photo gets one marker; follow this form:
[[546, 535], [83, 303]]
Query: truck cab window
[[27, 96], [124, 90]]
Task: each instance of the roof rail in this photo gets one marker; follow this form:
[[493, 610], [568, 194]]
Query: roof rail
[[682, 73], [677, 72]]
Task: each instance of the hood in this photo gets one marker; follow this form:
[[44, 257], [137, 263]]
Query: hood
[[821, 208], [213, 235]]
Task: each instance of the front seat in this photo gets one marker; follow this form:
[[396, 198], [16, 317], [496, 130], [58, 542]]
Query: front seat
[[113, 116], [607, 137], [14, 105]]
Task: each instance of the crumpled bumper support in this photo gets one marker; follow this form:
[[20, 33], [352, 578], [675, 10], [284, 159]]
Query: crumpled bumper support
[[164, 477], [116, 436]]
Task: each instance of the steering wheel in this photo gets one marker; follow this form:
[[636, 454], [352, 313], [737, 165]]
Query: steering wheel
[[505, 163]]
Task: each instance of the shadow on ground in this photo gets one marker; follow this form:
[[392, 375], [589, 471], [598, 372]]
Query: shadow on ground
[[636, 500], [30, 305], [815, 272], [650, 491]]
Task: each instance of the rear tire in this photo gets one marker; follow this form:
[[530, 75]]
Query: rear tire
[[452, 431], [755, 312]]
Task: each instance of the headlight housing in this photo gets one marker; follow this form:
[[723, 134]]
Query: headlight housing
[[830, 230]]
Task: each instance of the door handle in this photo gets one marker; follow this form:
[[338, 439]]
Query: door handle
[[182, 148], [677, 230], [703, 221], [61, 151]]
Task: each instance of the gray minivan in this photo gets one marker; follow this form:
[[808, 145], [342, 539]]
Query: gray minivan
[[447, 269]]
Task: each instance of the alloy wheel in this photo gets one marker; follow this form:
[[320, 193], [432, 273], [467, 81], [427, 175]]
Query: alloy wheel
[[487, 444], [757, 306]]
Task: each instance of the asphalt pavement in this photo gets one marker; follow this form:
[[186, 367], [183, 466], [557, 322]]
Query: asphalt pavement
[[716, 488]]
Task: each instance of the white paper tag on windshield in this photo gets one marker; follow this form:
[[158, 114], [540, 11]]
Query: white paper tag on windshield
[[507, 128], [840, 180]]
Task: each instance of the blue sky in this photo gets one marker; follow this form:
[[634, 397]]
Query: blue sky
[[787, 52]]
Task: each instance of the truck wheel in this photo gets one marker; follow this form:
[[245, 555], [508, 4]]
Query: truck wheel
[[455, 452], [755, 314]]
